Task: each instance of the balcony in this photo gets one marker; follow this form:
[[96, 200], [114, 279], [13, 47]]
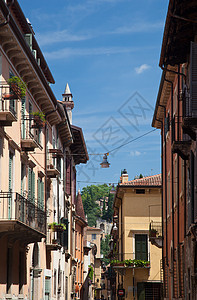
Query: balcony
[[182, 148], [8, 105], [53, 162], [122, 261], [53, 240], [21, 219], [30, 136], [155, 234], [57, 236], [189, 123]]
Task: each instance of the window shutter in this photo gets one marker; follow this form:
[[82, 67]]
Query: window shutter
[[23, 120], [39, 192], [193, 78], [167, 124], [28, 38], [65, 235], [29, 184], [68, 176], [74, 179], [42, 195], [10, 170], [141, 247], [33, 187]]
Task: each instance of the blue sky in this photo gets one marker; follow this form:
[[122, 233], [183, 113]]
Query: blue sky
[[108, 52]]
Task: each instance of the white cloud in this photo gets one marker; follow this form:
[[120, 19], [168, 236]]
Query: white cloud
[[142, 68], [135, 153], [67, 52], [61, 36]]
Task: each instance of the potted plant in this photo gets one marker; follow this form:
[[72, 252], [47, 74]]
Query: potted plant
[[56, 227], [147, 263], [129, 262], [39, 119], [117, 263], [153, 232], [17, 86]]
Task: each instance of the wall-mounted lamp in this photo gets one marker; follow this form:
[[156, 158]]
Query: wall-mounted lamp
[[115, 227]]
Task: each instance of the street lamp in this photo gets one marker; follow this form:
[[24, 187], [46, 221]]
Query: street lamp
[[105, 163]]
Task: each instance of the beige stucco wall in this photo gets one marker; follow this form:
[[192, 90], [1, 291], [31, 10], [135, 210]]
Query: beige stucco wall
[[138, 210]]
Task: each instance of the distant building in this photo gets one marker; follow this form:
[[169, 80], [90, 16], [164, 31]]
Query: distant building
[[137, 206]]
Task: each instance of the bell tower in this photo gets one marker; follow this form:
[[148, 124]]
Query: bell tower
[[68, 102]]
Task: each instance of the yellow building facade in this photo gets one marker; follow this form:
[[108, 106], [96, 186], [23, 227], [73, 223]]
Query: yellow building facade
[[136, 261]]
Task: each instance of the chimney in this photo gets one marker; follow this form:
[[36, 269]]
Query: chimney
[[68, 102], [124, 176]]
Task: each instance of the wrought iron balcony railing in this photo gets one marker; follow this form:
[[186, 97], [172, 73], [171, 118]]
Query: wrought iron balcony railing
[[155, 229], [15, 207], [8, 105], [30, 135]]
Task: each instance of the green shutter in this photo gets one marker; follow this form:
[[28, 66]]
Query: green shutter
[[28, 38], [39, 192], [23, 116], [33, 187], [42, 195], [29, 184], [141, 247]]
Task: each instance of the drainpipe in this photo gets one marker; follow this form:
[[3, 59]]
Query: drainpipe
[[178, 187], [172, 180], [165, 176], [162, 205]]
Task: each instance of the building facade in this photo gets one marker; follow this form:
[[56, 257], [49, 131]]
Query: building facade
[[39, 151], [135, 260], [175, 115]]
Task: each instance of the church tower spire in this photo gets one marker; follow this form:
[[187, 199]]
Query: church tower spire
[[68, 102]]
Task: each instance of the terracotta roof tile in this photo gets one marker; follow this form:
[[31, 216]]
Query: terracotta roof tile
[[154, 180]]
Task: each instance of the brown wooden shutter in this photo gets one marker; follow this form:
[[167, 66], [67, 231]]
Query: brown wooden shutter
[[68, 176], [193, 79]]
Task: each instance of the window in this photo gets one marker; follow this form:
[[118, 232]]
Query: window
[[40, 193], [31, 185], [93, 236], [140, 191], [141, 246]]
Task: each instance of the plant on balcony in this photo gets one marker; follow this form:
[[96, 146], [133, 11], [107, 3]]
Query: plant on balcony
[[153, 232], [18, 87], [39, 119], [139, 263], [129, 262], [56, 227], [117, 262]]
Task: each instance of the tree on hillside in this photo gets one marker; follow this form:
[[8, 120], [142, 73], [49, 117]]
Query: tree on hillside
[[105, 249], [90, 195]]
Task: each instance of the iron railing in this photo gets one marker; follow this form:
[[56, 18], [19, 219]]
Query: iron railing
[[132, 256], [14, 206], [157, 227], [8, 99], [28, 129]]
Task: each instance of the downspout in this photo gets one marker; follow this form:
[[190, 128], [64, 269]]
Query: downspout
[[162, 206], [172, 180], [165, 176], [178, 187]]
